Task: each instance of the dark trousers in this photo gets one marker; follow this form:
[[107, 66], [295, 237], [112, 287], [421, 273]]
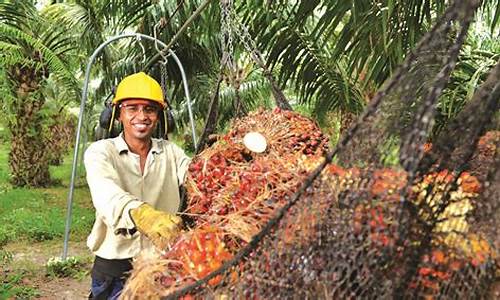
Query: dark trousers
[[108, 277]]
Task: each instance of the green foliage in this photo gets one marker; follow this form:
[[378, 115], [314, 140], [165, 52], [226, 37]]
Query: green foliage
[[28, 34], [303, 109], [389, 151], [333, 51], [11, 286], [4, 134], [5, 235], [26, 214], [5, 257], [70, 267], [40, 214], [4, 174], [479, 55]]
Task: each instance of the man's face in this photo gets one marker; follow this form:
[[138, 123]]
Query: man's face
[[139, 118]]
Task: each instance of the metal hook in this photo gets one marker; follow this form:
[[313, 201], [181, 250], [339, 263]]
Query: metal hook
[[138, 39], [156, 43]]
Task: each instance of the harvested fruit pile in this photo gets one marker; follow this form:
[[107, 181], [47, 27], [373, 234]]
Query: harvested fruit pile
[[236, 189], [232, 191]]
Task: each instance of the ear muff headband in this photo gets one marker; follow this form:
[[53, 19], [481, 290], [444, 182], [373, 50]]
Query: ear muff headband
[[113, 112], [165, 121]]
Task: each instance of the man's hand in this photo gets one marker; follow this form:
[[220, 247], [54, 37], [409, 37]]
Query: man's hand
[[160, 227]]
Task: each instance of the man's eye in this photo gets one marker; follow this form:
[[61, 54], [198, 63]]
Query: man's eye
[[150, 110], [132, 108]]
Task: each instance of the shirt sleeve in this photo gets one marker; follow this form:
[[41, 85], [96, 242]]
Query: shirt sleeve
[[182, 162], [109, 199]]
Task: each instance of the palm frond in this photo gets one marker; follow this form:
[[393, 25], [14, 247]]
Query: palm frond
[[50, 59], [10, 54], [367, 36], [18, 14], [253, 93]]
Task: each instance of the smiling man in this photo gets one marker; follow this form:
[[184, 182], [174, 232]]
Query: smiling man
[[134, 182]]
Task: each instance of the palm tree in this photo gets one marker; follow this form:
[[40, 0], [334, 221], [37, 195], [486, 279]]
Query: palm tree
[[479, 55], [59, 123], [32, 49]]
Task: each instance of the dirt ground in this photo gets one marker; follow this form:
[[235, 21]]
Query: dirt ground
[[64, 288], [32, 259]]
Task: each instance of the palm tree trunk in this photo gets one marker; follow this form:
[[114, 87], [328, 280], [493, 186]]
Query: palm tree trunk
[[347, 118], [213, 112], [60, 134], [28, 157]]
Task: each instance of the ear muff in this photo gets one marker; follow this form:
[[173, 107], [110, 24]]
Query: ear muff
[[105, 117], [169, 119]]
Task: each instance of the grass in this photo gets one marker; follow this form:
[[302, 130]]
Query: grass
[[35, 218], [72, 266], [12, 287], [40, 214]]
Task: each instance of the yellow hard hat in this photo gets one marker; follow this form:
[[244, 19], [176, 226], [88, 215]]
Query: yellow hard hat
[[139, 86]]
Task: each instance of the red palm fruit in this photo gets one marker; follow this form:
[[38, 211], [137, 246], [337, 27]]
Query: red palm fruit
[[427, 147], [387, 182], [469, 183], [201, 252], [333, 169]]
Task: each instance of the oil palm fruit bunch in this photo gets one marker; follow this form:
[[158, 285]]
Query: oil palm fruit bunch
[[192, 256], [198, 252], [286, 131], [345, 234], [473, 262], [232, 186]]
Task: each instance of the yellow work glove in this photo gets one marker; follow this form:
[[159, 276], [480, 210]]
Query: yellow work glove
[[160, 227]]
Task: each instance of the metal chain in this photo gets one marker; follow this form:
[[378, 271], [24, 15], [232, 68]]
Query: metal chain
[[250, 46], [163, 81], [227, 33], [246, 39]]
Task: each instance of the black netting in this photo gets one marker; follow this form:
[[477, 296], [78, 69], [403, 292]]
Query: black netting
[[386, 215]]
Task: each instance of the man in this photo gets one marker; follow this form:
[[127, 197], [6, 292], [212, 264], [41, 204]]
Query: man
[[134, 182]]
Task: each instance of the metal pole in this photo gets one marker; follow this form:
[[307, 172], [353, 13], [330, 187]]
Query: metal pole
[[188, 98], [82, 110]]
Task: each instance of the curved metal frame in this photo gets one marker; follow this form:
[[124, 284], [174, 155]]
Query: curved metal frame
[[138, 36]]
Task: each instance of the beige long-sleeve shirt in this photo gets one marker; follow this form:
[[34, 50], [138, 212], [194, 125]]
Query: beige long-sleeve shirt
[[117, 186]]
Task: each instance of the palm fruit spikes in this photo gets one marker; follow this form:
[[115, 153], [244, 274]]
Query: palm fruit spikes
[[199, 252], [450, 212]]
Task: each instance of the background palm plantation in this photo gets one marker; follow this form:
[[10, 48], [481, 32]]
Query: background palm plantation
[[33, 49], [328, 56]]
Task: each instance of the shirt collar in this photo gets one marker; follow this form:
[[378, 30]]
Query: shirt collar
[[155, 146], [122, 146]]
